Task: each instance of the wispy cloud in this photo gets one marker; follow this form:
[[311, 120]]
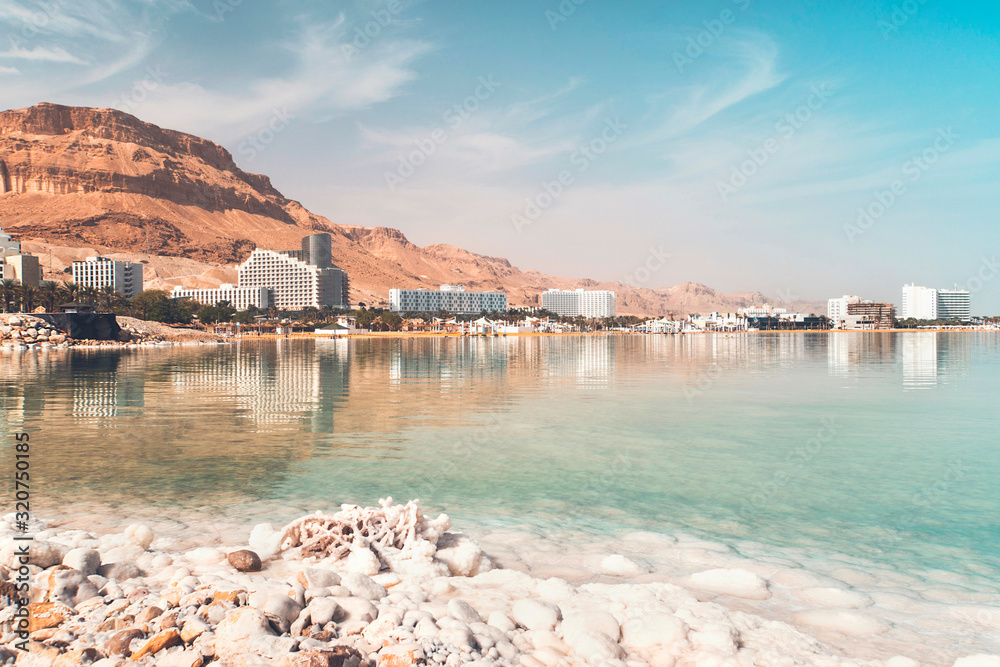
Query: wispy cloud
[[6, 71], [41, 53]]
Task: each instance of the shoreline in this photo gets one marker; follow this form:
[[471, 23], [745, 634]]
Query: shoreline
[[701, 602]]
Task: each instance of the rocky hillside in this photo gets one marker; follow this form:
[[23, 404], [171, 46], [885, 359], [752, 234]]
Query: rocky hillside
[[78, 180]]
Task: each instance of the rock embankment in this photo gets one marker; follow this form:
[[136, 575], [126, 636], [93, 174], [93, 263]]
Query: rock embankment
[[26, 332]]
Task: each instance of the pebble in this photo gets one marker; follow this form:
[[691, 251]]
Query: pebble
[[244, 560], [535, 614]]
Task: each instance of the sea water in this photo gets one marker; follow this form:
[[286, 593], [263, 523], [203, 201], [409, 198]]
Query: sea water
[[868, 450]]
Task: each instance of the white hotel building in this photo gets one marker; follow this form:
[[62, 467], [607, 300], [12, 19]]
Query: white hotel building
[[836, 309], [926, 303], [101, 272], [579, 303], [240, 298], [298, 278], [451, 298]]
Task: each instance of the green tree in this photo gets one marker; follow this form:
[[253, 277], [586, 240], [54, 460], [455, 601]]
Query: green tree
[[27, 296], [49, 294], [8, 294], [218, 313]]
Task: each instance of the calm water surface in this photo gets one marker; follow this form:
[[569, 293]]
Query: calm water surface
[[879, 446]]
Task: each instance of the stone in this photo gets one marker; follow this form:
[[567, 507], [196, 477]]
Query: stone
[[236, 631], [193, 628], [120, 643], [336, 656], [363, 586], [86, 656], [282, 610], [83, 560], [322, 610], [401, 655], [654, 629], [160, 641], [185, 658], [42, 615], [462, 611], [139, 535], [119, 571], [317, 577], [589, 622], [355, 609], [535, 614], [148, 614], [46, 554], [732, 581], [458, 635], [244, 560], [501, 621]]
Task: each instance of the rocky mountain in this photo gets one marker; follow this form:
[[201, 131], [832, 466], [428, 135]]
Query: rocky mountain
[[75, 181]]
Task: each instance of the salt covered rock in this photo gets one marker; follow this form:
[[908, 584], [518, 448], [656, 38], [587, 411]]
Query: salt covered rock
[[589, 622], [205, 556], [139, 535], [654, 629], [83, 559], [833, 597], [535, 614], [317, 577], [363, 561], [844, 621], [119, 571], [235, 633], [355, 609], [462, 611], [501, 621], [462, 555], [622, 566], [735, 582], [981, 660], [362, 586], [322, 610]]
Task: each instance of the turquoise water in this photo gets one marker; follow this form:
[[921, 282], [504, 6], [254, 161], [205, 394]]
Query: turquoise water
[[878, 446]]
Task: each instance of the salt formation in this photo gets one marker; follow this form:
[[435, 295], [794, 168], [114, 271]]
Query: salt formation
[[388, 587]]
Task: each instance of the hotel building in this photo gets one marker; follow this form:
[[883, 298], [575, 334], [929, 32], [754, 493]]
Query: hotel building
[[836, 309], [925, 303], [450, 298], [16, 266], [101, 272], [240, 298], [869, 316], [299, 279], [579, 303]]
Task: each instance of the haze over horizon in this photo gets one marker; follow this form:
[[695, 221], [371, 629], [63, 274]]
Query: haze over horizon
[[741, 137]]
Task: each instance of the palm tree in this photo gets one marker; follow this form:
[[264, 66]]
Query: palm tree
[[72, 292], [27, 296], [49, 294], [8, 290], [106, 297]]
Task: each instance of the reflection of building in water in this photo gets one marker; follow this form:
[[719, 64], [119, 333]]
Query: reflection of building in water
[[271, 386], [588, 359], [452, 363], [103, 385], [848, 351], [920, 358]]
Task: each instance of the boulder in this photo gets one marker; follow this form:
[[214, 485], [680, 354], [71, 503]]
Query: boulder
[[535, 614], [244, 560]]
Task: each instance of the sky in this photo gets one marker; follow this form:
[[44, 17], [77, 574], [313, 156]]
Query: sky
[[804, 149]]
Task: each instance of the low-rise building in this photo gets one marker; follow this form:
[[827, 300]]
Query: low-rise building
[[836, 309], [579, 303], [100, 272], [869, 316], [449, 298], [24, 269], [240, 298]]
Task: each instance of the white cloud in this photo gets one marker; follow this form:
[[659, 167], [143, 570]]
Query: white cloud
[[41, 53], [9, 70]]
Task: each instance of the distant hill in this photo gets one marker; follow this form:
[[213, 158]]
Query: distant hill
[[77, 180]]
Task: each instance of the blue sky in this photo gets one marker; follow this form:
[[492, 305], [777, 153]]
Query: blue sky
[[803, 149]]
